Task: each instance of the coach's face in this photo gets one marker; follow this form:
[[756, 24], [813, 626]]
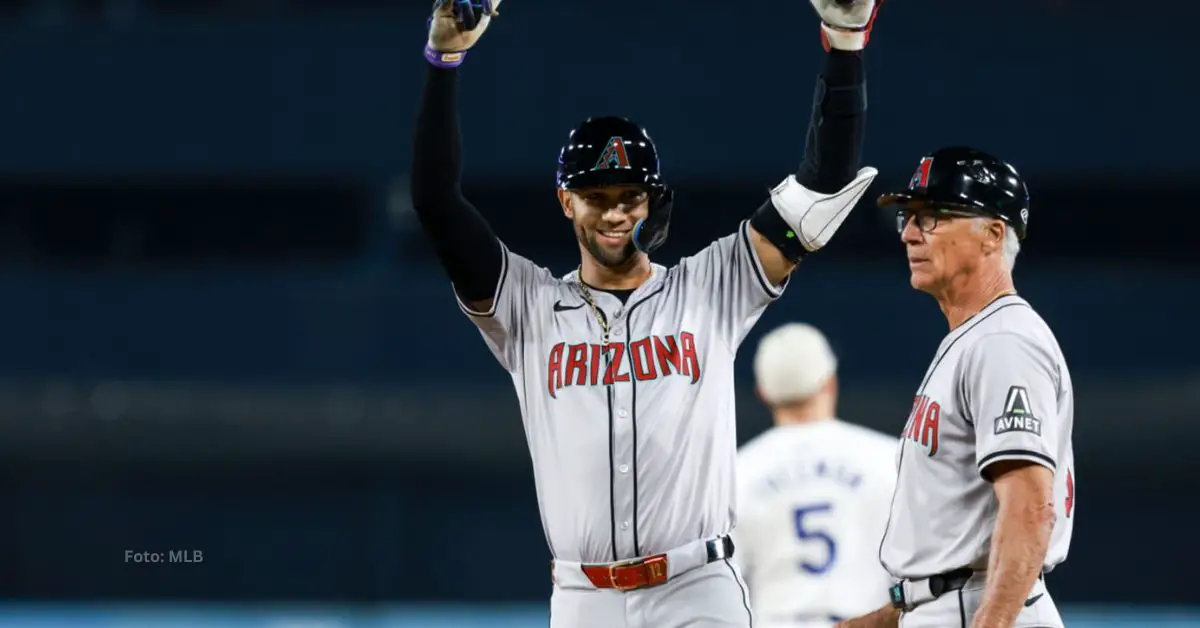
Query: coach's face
[[941, 248], [604, 218]]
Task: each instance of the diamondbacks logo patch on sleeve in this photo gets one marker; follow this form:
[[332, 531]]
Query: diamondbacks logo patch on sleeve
[[1018, 415]]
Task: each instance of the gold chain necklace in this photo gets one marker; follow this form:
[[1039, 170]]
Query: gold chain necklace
[[587, 296]]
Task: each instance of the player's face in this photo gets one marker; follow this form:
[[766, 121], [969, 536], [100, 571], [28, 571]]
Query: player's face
[[604, 218], [940, 247]]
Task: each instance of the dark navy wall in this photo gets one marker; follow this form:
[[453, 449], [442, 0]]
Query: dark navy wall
[[1053, 90]]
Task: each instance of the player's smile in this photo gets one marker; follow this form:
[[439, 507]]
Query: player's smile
[[604, 218], [613, 237]]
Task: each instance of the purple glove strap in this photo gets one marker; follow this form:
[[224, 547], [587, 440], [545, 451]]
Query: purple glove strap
[[444, 59]]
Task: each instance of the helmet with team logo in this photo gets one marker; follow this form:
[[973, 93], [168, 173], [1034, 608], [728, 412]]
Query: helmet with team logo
[[960, 178], [611, 150]]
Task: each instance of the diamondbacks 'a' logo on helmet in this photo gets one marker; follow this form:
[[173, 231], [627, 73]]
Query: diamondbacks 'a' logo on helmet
[[920, 178], [614, 156]]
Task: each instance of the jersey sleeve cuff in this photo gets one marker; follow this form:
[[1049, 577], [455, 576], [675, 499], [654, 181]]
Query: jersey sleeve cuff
[[491, 312], [772, 292], [1036, 457]]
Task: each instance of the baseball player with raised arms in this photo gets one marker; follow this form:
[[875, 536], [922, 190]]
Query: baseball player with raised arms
[[985, 500], [624, 368], [813, 493]]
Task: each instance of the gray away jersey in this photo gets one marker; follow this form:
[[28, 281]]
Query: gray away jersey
[[998, 389], [634, 443]]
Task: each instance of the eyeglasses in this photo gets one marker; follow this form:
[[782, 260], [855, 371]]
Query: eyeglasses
[[927, 219]]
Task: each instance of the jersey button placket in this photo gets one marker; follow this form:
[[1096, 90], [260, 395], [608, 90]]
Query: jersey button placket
[[623, 445]]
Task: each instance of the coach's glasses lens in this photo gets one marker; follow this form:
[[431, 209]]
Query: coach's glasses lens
[[926, 221]]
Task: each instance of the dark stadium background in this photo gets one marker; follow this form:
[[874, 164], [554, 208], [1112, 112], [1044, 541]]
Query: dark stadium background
[[221, 331]]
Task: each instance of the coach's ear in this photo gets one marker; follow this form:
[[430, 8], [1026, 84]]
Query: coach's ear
[[994, 232], [565, 199]]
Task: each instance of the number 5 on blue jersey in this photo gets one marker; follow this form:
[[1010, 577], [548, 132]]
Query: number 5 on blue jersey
[[807, 534]]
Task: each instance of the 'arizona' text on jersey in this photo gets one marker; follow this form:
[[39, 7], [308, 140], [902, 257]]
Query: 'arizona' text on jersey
[[633, 443]]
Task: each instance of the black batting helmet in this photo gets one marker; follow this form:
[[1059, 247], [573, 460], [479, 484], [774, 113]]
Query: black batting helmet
[[960, 178], [611, 150]]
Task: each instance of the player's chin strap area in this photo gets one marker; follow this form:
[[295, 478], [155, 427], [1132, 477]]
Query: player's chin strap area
[[651, 232], [799, 221]]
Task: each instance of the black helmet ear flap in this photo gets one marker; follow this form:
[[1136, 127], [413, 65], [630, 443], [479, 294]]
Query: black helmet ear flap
[[651, 232]]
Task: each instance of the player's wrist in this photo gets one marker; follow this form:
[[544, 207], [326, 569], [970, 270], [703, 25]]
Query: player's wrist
[[846, 24], [838, 39], [445, 60]]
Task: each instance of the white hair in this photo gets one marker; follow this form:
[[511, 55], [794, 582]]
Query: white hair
[[792, 363], [1012, 245]]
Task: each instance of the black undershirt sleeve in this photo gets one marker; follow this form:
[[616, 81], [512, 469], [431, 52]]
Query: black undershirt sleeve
[[462, 240], [833, 147]]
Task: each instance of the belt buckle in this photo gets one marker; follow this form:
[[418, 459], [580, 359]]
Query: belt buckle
[[655, 569], [612, 574]]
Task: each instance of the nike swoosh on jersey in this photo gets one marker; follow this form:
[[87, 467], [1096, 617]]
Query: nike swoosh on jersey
[[559, 307], [1033, 600]]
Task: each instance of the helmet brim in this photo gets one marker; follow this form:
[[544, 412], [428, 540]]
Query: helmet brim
[[894, 200], [908, 200], [602, 178]]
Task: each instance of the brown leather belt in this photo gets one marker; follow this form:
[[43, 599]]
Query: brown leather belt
[[629, 575], [648, 571]]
